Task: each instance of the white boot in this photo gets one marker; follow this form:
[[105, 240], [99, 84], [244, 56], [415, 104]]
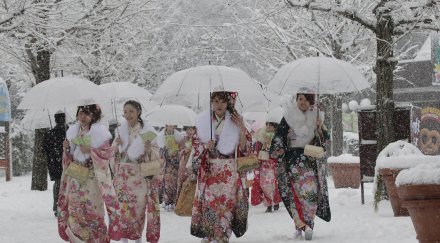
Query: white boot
[[138, 240], [124, 240], [308, 233]]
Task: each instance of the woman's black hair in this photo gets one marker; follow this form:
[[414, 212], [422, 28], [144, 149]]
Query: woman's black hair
[[138, 107], [226, 97], [94, 110], [274, 124], [188, 127], [309, 97]]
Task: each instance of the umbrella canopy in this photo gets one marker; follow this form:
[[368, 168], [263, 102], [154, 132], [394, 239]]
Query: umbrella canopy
[[120, 92], [123, 91], [59, 93], [191, 87], [321, 75], [36, 119], [171, 115]]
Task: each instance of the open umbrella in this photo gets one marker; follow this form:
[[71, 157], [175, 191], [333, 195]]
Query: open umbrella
[[59, 93], [192, 87], [321, 75], [120, 92], [36, 119], [171, 115]]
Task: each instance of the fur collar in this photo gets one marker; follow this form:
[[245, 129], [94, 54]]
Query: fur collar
[[302, 123], [99, 135], [136, 148], [229, 136], [294, 115]]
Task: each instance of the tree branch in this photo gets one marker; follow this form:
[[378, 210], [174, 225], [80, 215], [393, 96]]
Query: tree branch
[[344, 12]]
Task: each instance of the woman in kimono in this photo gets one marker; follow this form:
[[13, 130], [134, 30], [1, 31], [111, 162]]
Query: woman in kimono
[[86, 184], [221, 202], [301, 179], [186, 153], [265, 186], [169, 140], [137, 195]]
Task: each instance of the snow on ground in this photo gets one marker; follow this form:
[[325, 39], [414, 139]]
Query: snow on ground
[[26, 216]]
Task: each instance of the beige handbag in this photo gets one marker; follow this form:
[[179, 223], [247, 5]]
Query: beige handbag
[[314, 151], [263, 155], [153, 166], [247, 163], [80, 173], [185, 201]]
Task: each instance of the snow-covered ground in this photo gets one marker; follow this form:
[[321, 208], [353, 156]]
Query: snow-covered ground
[[26, 216]]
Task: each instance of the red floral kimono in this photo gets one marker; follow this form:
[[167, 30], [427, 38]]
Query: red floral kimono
[[81, 203], [265, 186], [221, 201]]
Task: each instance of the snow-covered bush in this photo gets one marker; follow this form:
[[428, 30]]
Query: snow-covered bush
[[22, 150], [351, 143]]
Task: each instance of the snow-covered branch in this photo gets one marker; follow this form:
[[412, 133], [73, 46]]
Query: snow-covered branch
[[346, 12]]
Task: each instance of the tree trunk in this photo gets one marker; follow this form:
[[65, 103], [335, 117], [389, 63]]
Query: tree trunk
[[40, 65], [337, 129], [39, 163], [385, 64]]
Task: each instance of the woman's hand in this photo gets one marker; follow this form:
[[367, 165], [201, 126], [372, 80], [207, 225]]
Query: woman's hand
[[85, 149], [118, 141], [147, 146], [277, 153], [318, 123], [237, 119], [66, 145], [211, 145]]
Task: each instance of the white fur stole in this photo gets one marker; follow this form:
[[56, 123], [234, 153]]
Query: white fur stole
[[99, 134], [229, 136], [136, 148]]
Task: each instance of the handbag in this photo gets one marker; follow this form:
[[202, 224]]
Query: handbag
[[78, 172], [314, 151], [189, 163], [152, 167], [263, 155], [185, 201], [247, 163]]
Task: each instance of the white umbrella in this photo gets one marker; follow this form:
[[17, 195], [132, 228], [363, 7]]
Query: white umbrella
[[322, 75], [191, 87], [171, 115], [36, 119], [120, 92], [59, 93]]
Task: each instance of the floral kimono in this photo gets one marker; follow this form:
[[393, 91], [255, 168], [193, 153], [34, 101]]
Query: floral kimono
[[81, 201], [301, 179], [265, 186], [169, 149], [137, 195], [221, 201]]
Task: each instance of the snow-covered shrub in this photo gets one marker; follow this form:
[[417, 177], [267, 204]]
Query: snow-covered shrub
[[22, 150]]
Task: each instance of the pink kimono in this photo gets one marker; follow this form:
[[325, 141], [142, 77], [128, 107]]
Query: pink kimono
[[81, 204], [138, 196]]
